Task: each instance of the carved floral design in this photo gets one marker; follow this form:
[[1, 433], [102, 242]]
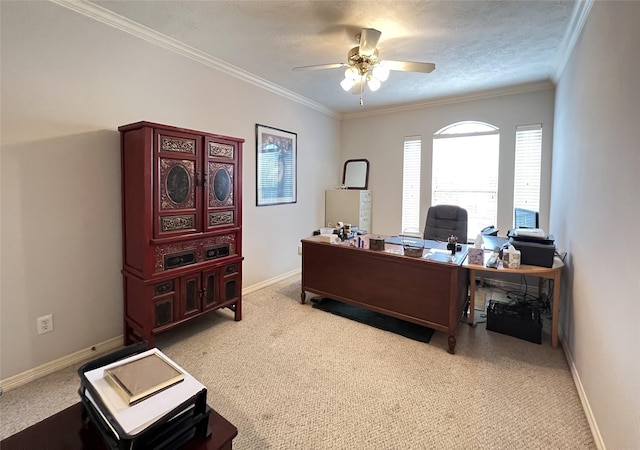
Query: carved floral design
[[180, 145], [220, 150], [217, 219], [176, 223]]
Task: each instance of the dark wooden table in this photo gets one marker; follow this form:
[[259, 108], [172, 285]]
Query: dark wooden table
[[66, 430]]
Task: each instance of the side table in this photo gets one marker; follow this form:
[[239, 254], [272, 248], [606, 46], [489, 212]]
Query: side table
[[67, 430]]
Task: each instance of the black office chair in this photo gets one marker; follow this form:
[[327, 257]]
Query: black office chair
[[444, 221]]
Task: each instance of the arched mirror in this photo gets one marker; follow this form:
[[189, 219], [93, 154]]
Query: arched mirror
[[356, 174]]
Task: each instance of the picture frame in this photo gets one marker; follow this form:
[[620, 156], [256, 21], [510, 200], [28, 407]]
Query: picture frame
[[276, 166]]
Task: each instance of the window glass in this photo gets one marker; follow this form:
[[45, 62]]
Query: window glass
[[465, 172]]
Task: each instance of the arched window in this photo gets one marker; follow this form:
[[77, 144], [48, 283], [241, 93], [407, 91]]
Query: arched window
[[465, 171]]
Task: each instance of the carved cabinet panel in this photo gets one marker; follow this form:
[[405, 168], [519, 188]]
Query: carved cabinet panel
[[176, 178], [182, 225]]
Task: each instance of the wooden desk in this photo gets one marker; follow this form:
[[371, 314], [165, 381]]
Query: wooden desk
[[67, 430], [552, 273], [430, 290]]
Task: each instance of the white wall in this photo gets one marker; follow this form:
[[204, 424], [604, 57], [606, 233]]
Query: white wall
[[67, 83], [380, 138], [595, 211]]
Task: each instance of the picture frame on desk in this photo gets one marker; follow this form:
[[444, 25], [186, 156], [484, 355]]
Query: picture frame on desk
[[276, 166]]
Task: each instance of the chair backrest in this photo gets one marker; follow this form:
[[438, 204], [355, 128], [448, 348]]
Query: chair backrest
[[444, 221]]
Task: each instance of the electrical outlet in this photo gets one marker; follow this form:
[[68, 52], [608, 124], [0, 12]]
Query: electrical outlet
[[45, 324]]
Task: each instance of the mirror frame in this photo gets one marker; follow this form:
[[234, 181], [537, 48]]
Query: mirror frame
[[366, 175]]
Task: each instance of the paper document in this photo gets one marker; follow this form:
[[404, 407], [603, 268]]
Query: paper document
[[135, 418], [143, 377]]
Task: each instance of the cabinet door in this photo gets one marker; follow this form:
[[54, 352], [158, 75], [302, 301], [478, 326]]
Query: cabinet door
[[231, 285], [176, 188], [210, 296], [221, 184], [190, 292], [163, 303]]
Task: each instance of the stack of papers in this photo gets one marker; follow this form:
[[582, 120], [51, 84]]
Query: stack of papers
[[143, 377], [530, 232], [135, 418]]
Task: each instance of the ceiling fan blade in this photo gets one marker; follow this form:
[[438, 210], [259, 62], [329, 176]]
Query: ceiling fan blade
[[409, 66], [321, 66], [368, 41]]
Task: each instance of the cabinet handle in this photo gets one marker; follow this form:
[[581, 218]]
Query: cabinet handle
[[202, 180]]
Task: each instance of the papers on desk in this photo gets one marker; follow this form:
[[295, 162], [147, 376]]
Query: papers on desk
[[413, 241], [136, 418], [435, 254]]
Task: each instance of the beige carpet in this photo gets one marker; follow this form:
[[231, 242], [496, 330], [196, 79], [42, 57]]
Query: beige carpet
[[289, 376]]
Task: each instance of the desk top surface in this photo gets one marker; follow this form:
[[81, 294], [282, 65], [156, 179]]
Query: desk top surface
[[524, 269], [438, 253]]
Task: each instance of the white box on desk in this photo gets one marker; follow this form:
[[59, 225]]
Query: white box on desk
[[511, 258]]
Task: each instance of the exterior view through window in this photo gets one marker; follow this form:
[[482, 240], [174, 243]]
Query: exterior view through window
[[465, 171]]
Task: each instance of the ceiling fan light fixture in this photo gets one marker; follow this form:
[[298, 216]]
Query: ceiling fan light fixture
[[347, 84], [364, 66], [351, 74], [373, 83]]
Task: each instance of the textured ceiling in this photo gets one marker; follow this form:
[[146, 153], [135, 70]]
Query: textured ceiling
[[476, 45]]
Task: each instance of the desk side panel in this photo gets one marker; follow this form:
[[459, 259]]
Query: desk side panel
[[415, 290]]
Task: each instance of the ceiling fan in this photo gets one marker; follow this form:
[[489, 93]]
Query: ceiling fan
[[364, 67]]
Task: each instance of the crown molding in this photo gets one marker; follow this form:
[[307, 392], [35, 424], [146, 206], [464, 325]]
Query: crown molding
[[119, 22], [98, 13], [576, 24], [480, 95]]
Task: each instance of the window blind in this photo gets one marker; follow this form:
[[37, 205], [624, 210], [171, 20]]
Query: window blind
[[528, 162], [411, 184]]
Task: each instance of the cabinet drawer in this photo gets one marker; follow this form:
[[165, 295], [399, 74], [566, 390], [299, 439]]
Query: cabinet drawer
[[187, 253]]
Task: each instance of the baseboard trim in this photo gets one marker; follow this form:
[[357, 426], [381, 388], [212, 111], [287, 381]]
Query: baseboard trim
[[78, 357], [98, 350], [270, 281], [595, 431]]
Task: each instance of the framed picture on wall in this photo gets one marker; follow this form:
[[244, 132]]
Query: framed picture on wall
[[276, 166]]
